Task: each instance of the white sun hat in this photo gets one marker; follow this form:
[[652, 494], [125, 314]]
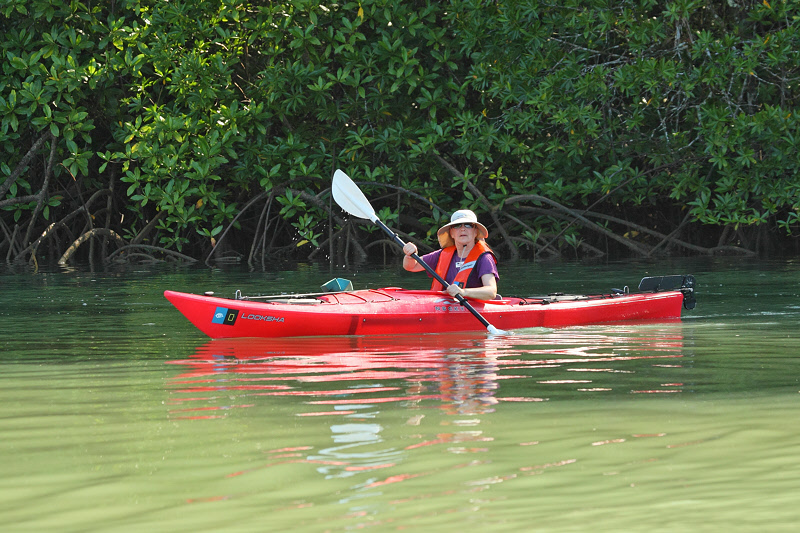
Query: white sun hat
[[462, 216]]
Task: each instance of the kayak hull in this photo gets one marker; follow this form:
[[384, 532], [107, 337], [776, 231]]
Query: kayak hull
[[399, 311]]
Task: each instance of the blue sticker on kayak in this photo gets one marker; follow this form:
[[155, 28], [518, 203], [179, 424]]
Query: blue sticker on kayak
[[226, 316]]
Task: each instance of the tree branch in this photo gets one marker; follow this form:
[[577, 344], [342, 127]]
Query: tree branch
[[22, 165]]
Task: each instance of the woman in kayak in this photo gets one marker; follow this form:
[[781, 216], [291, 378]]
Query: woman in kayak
[[465, 261]]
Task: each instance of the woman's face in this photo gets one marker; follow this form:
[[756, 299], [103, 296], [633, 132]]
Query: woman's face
[[463, 235]]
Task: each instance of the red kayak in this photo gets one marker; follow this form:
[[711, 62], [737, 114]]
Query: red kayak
[[393, 310]]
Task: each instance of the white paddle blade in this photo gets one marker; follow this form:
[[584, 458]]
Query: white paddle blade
[[495, 331], [350, 198]]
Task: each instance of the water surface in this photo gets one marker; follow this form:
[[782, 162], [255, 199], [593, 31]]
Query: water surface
[[117, 415]]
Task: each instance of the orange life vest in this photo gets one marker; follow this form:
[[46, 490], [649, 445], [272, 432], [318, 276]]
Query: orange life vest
[[446, 255]]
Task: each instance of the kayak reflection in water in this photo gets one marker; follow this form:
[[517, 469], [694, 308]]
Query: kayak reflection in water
[[465, 261]]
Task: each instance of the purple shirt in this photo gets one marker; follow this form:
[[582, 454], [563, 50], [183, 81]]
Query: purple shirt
[[484, 265]]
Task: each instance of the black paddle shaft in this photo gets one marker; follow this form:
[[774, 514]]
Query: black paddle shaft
[[433, 273]]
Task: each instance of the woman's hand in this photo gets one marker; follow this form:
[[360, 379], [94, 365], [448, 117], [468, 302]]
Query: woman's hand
[[454, 290], [487, 292], [409, 263]]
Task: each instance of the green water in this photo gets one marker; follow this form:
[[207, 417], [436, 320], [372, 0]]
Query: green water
[[117, 415]]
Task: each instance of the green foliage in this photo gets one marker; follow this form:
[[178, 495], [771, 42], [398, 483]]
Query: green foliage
[[198, 107], [697, 98]]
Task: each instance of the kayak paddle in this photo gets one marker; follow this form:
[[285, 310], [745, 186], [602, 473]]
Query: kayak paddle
[[351, 199]]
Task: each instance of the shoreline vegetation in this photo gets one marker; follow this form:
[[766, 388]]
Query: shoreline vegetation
[[208, 131]]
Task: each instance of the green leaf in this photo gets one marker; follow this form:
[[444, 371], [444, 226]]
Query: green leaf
[[18, 62]]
